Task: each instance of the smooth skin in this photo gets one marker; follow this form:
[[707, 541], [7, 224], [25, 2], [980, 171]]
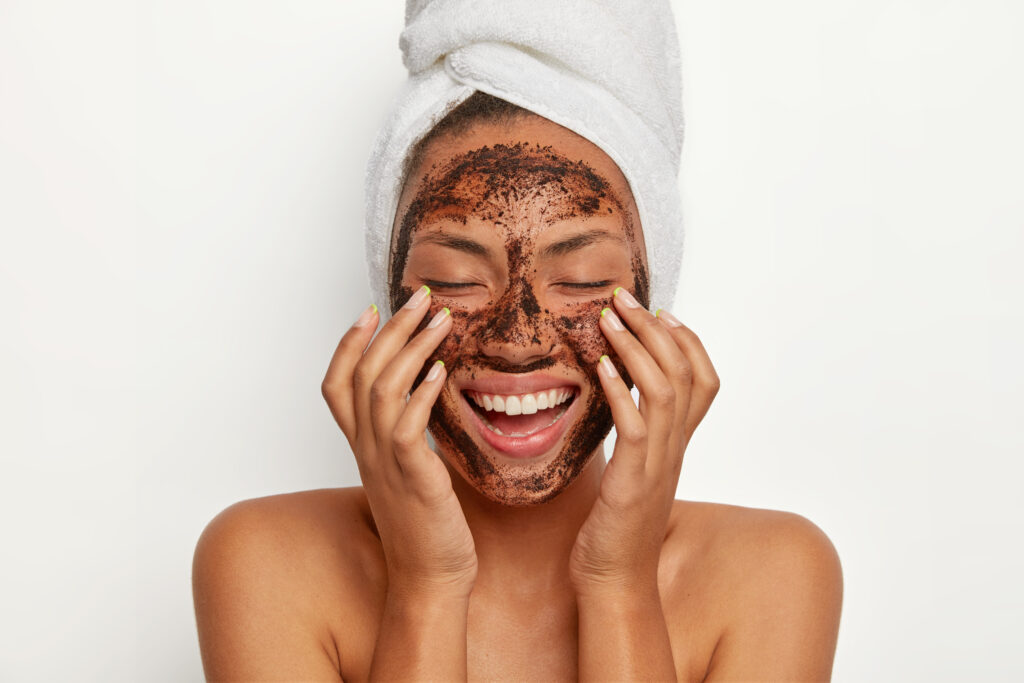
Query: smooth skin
[[413, 577]]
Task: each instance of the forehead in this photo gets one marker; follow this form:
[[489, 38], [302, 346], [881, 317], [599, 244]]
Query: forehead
[[522, 177]]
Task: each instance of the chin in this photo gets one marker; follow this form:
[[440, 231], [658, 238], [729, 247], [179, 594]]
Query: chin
[[525, 451]]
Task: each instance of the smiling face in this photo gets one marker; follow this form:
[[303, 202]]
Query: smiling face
[[523, 230]]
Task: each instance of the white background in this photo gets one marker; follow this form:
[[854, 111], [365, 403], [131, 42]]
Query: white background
[[181, 207]]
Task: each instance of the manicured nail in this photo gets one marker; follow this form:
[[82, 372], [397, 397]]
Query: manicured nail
[[669, 319], [625, 297], [435, 371], [366, 316], [439, 318], [606, 366], [419, 297], [613, 319]]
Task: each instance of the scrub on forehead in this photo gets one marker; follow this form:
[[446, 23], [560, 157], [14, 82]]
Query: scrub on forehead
[[523, 195]]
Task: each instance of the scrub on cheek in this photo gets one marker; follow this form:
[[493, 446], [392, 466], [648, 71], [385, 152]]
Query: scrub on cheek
[[518, 189]]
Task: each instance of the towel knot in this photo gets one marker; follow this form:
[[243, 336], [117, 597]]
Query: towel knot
[[626, 47]]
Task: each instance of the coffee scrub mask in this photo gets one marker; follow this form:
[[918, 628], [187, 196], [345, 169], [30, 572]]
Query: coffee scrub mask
[[523, 324]]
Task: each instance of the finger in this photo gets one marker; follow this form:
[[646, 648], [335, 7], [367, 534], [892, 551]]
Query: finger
[[409, 435], [387, 396], [655, 337], [391, 338], [705, 380], [337, 387], [630, 427], [657, 392]]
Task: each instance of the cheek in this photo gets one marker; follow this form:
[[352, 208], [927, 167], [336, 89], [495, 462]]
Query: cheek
[[456, 345], [581, 333], [465, 324]]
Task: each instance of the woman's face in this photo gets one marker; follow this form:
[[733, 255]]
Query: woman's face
[[523, 231]]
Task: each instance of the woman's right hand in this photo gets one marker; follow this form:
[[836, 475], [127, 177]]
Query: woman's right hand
[[426, 540]]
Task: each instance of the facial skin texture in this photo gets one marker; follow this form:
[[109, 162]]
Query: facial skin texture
[[517, 222]]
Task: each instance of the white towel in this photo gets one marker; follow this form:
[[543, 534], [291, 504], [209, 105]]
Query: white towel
[[606, 69]]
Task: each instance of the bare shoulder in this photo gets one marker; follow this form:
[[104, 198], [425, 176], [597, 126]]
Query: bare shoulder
[[290, 534], [773, 582], [269, 575]]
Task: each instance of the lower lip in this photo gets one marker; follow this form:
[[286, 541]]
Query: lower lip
[[532, 445]]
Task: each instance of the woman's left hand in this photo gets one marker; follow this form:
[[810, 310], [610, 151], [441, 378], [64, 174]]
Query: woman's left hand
[[619, 545]]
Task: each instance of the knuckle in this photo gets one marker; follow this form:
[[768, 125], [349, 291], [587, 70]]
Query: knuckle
[[327, 390], [361, 376], [663, 394], [627, 497], [403, 439], [381, 391], [635, 432], [681, 371], [652, 324], [689, 335]]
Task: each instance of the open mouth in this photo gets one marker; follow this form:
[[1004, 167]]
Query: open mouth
[[521, 414], [522, 425]]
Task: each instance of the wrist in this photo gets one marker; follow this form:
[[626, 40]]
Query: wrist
[[422, 633], [618, 591], [625, 607], [425, 611], [425, 591]]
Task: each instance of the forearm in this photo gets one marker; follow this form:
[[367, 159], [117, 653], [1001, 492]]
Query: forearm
[[623, 636], [422, 638]]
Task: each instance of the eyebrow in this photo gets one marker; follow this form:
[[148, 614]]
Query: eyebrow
[[578, 241], [455, 242]]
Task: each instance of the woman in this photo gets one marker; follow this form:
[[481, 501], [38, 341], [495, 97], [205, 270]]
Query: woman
[[519, 280]]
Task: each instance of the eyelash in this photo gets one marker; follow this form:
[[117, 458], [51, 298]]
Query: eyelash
[[437, 284], [585, 285]]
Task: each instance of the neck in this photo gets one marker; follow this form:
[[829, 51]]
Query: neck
[[526, 549]]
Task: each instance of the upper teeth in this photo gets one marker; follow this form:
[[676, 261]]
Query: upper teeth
[[521, 404]]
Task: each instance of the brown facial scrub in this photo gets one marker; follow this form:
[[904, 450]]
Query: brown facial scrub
[[522, 326]]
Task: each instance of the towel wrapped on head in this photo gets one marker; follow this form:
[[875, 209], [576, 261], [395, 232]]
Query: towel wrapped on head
[[608, 70]]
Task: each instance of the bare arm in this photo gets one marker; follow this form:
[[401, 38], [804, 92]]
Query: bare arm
[[422, 637], [623, 637], [253, 619], [428, 548], [614, 563], [788, 613]]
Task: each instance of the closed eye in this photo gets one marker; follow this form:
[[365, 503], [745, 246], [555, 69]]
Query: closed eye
[[438, 284], [585, 285]]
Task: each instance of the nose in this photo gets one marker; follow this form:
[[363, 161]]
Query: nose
[[513, 332]]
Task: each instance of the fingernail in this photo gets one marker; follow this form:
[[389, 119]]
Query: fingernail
[[613, 319], [419, 297], [366, 316], [439, 317], [669, 319], [606, 366], [625, 297], [435, 371]]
